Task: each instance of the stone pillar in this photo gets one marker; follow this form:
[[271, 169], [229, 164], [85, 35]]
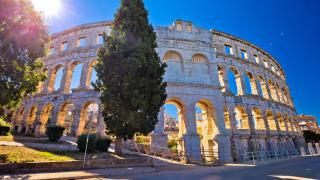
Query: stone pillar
[[75, 128], [37, 124], [66, 79], [191, 138], [226, 79], [243, 84], [47, 82], [158, 137], [85, 76], [224, 146], [101, 129]]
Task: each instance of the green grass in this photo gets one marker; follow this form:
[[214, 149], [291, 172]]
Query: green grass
[[11, 154]]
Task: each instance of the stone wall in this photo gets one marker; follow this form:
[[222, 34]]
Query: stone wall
[[257, 116]]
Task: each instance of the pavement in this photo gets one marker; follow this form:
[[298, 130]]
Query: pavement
[[306, 168]]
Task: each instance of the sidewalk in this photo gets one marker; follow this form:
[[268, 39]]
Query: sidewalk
[[94, 173]]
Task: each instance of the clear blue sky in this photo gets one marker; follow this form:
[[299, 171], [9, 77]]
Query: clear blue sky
[[287, 29]]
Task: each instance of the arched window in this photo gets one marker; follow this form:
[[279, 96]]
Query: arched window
[[248, 84], [199, 58], [232, 79], [58, 78], [242, 121], [76, 76], [272, 90], [172, 56]]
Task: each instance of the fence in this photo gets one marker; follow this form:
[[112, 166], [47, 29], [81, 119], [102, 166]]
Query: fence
[[206, 156]]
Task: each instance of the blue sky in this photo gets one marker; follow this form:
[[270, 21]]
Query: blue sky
[[287, 29]]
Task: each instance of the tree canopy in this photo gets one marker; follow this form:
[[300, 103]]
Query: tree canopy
[[23, 36], [130, 73]]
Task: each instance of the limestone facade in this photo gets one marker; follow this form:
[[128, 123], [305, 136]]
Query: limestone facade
[[203, 64]]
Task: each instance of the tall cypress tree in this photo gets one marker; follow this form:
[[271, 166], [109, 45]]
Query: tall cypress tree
[[130, 74]]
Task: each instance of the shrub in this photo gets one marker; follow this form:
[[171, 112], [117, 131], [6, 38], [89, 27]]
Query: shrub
[[4, 127], [173, 145], [54, 133], [82, 140], [102, 144]]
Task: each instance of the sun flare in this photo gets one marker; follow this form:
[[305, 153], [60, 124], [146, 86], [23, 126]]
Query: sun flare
[[47, 7]]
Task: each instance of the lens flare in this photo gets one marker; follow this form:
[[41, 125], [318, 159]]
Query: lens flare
[[47, 7]]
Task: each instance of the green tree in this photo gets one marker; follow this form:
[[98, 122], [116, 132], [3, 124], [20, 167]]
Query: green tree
[[130, 74], [23, 36]]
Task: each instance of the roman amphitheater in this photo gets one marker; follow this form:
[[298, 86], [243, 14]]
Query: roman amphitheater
[[241, 91]]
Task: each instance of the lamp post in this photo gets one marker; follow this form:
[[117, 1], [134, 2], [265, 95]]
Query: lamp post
[[88, 133]]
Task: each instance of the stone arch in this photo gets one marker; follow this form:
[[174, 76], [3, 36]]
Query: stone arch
[[258, 119], [90, 74], [200, 58], [179, 130], [72, 81], [207, 128], [273, 90], [65, 116], [88, 117], [288, 122], [252, 83], [234, 78], [175, 71], [53, 78], [241, 117], [279, 94], [31, 116], [45, 118], [172, 56], [271, 121], [263, 87], [282, 124]]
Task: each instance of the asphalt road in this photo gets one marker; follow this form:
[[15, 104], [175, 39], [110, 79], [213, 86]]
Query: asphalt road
[[305, 168]]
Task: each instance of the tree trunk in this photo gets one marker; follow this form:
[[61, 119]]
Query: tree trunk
[[118, 146]]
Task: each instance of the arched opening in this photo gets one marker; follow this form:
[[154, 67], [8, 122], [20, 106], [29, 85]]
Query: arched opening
[[207, 129], [31, 118], [241, 117], [282, 124], [199, 58], [174, 123], [258, 119], [248, 84], [45, 118], [271, 121], [227, 118], [288, 122], [279, 94], [55, 78], [234, 82], [272, 90], [88, 118], [253, 84], [175, 69], [65, 117], [76, 71], [173, 56], [263, 87]]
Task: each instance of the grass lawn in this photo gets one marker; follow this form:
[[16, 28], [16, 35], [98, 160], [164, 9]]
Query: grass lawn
[[11, 154]]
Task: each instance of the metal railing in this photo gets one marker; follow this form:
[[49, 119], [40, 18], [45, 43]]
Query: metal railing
[[203, 157], [253, 157]]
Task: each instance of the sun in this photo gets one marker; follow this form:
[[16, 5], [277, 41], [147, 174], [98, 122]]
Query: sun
[[47, 7]]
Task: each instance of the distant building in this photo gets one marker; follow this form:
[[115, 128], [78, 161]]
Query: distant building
[[307, 122], [171, 123]]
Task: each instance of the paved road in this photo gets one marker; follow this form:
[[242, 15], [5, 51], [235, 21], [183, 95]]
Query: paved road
[[306, 168]]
